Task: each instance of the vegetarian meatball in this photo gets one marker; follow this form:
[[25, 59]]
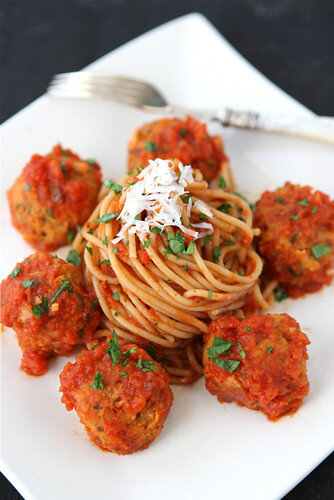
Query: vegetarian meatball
[[186, 139], [53, 195], [259, 362], [121, 395], [46, 302], [297, 237]]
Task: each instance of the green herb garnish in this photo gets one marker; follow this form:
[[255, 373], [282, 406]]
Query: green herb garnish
[[241, 351], [156, 230], [15, 272], [147, 243], [39, 309], [320, 250], [280, 294], [294, 217], [117, 188], [304, 203], [70, 236], [94, 304], [30, 283], [115, 296], [270, 350], [98, 381], [113, 350], [224, 208], [73, 257], [48, 211], [107, 217], [221, 182], [150, 146]]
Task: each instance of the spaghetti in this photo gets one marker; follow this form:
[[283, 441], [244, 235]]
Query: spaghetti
[[161, 284]]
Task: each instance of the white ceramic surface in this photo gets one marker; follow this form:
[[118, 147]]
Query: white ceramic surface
[[206, 450]]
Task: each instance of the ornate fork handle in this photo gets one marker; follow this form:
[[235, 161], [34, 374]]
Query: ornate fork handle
[[317, 128]]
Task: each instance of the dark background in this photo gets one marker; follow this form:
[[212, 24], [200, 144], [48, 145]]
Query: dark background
[[290, 41]]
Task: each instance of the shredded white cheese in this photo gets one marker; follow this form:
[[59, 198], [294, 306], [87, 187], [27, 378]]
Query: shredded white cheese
[[156, 192]]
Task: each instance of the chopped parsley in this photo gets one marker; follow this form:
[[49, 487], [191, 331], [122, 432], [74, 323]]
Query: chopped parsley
[[105, 241], [39, 309], [228, 243], [202, 217], [63, 286], [207, 238], [152, 352], [145, 365], [176, 244], [107, 217], [115, 296], [224, 208], [219, 346], [29, 283], [320, 250], [221, 182], [124, 374], [216, 254], [16, 271], [150, 146], [147, 243], [183, 132], [116, 313], [210, 294], [293, 272], [279, 199], [70, 236], [156, 230], [227, 364], [115, 249], [186, 198], [64, 153], [62, 167], [98, 381], [27, 187], [90, 161], [304, 203], [94, 304], [186, 268], [270, 350], [113, 350], [294, 217], [248, 328], [241, 351], [89, 250], [240, 273], [117, 188], [73, 257], [280, 294], [48, 211], [314, 210]]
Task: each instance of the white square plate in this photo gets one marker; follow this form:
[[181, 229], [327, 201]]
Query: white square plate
[[207, 449]]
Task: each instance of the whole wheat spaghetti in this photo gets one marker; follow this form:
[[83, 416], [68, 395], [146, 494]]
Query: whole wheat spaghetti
[[166, 254]]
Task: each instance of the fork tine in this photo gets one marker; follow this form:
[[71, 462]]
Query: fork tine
[[134, 92], [105, 90], [98, 77], [99, 86], [92, 92]]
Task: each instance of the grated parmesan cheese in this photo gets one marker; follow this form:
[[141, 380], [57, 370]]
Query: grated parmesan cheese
[[157, 192]]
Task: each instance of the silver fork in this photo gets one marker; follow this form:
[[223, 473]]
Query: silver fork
[[145, 96]]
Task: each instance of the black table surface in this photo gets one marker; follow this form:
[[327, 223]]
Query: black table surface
[[290, 41]]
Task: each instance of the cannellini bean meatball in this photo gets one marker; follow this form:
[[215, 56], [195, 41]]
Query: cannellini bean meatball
[[259, 362], [46, 302], [297, 237], [186, 139], [121, 395], [53, 194]]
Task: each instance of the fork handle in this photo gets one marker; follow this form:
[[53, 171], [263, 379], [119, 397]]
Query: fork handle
[[314, 127]]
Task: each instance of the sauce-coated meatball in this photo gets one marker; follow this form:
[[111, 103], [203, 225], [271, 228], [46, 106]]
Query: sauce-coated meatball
[[121, 396], [46, 302], [297, 237], [53, 195], [259, 362], [186, 139]]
